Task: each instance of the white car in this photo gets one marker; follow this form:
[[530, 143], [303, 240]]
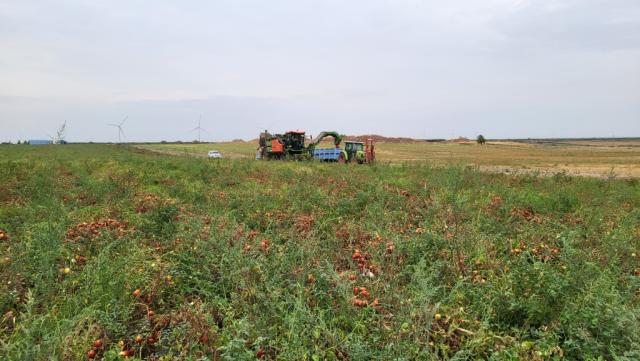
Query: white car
[[214, 154]]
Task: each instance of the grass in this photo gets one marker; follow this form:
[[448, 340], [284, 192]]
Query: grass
[[239, 259]]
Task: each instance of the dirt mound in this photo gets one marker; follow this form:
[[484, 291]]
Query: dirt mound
[[460, 140], [381, 139]]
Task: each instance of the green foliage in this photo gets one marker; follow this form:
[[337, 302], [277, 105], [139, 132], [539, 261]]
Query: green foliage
[[241, 258]]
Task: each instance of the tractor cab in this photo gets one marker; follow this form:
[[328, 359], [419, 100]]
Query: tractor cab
[[355, 151], [353, 147]]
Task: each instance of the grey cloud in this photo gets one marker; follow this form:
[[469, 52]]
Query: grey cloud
[[568, 25], [412, 67]]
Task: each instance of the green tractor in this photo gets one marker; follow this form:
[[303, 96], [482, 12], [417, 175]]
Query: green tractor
[[353, 152], [359, 152]]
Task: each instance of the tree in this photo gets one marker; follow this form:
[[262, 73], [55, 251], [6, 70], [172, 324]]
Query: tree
[[481, 139]]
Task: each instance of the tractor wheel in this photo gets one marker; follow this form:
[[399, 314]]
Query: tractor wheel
[[342, 159]]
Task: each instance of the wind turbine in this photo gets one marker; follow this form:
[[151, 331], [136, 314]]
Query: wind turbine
[[119, 126], [199, 128], [59, 138], [60, 133]]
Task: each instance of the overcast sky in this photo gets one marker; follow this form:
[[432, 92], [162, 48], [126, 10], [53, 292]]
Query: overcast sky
[[419, 68]]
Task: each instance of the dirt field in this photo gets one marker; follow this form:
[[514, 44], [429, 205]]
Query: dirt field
[[575, 157]]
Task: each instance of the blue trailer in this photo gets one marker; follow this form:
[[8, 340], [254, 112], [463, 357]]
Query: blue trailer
[[327, 154]]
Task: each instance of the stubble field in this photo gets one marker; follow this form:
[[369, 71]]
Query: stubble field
[[595, 158]]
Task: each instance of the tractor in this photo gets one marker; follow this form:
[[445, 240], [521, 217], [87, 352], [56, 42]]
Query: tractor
[[359, 152], [353, 152]]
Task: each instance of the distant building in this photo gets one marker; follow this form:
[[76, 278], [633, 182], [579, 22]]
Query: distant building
[[39, 142]]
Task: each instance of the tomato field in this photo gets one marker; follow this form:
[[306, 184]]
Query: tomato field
[[109, 252]]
